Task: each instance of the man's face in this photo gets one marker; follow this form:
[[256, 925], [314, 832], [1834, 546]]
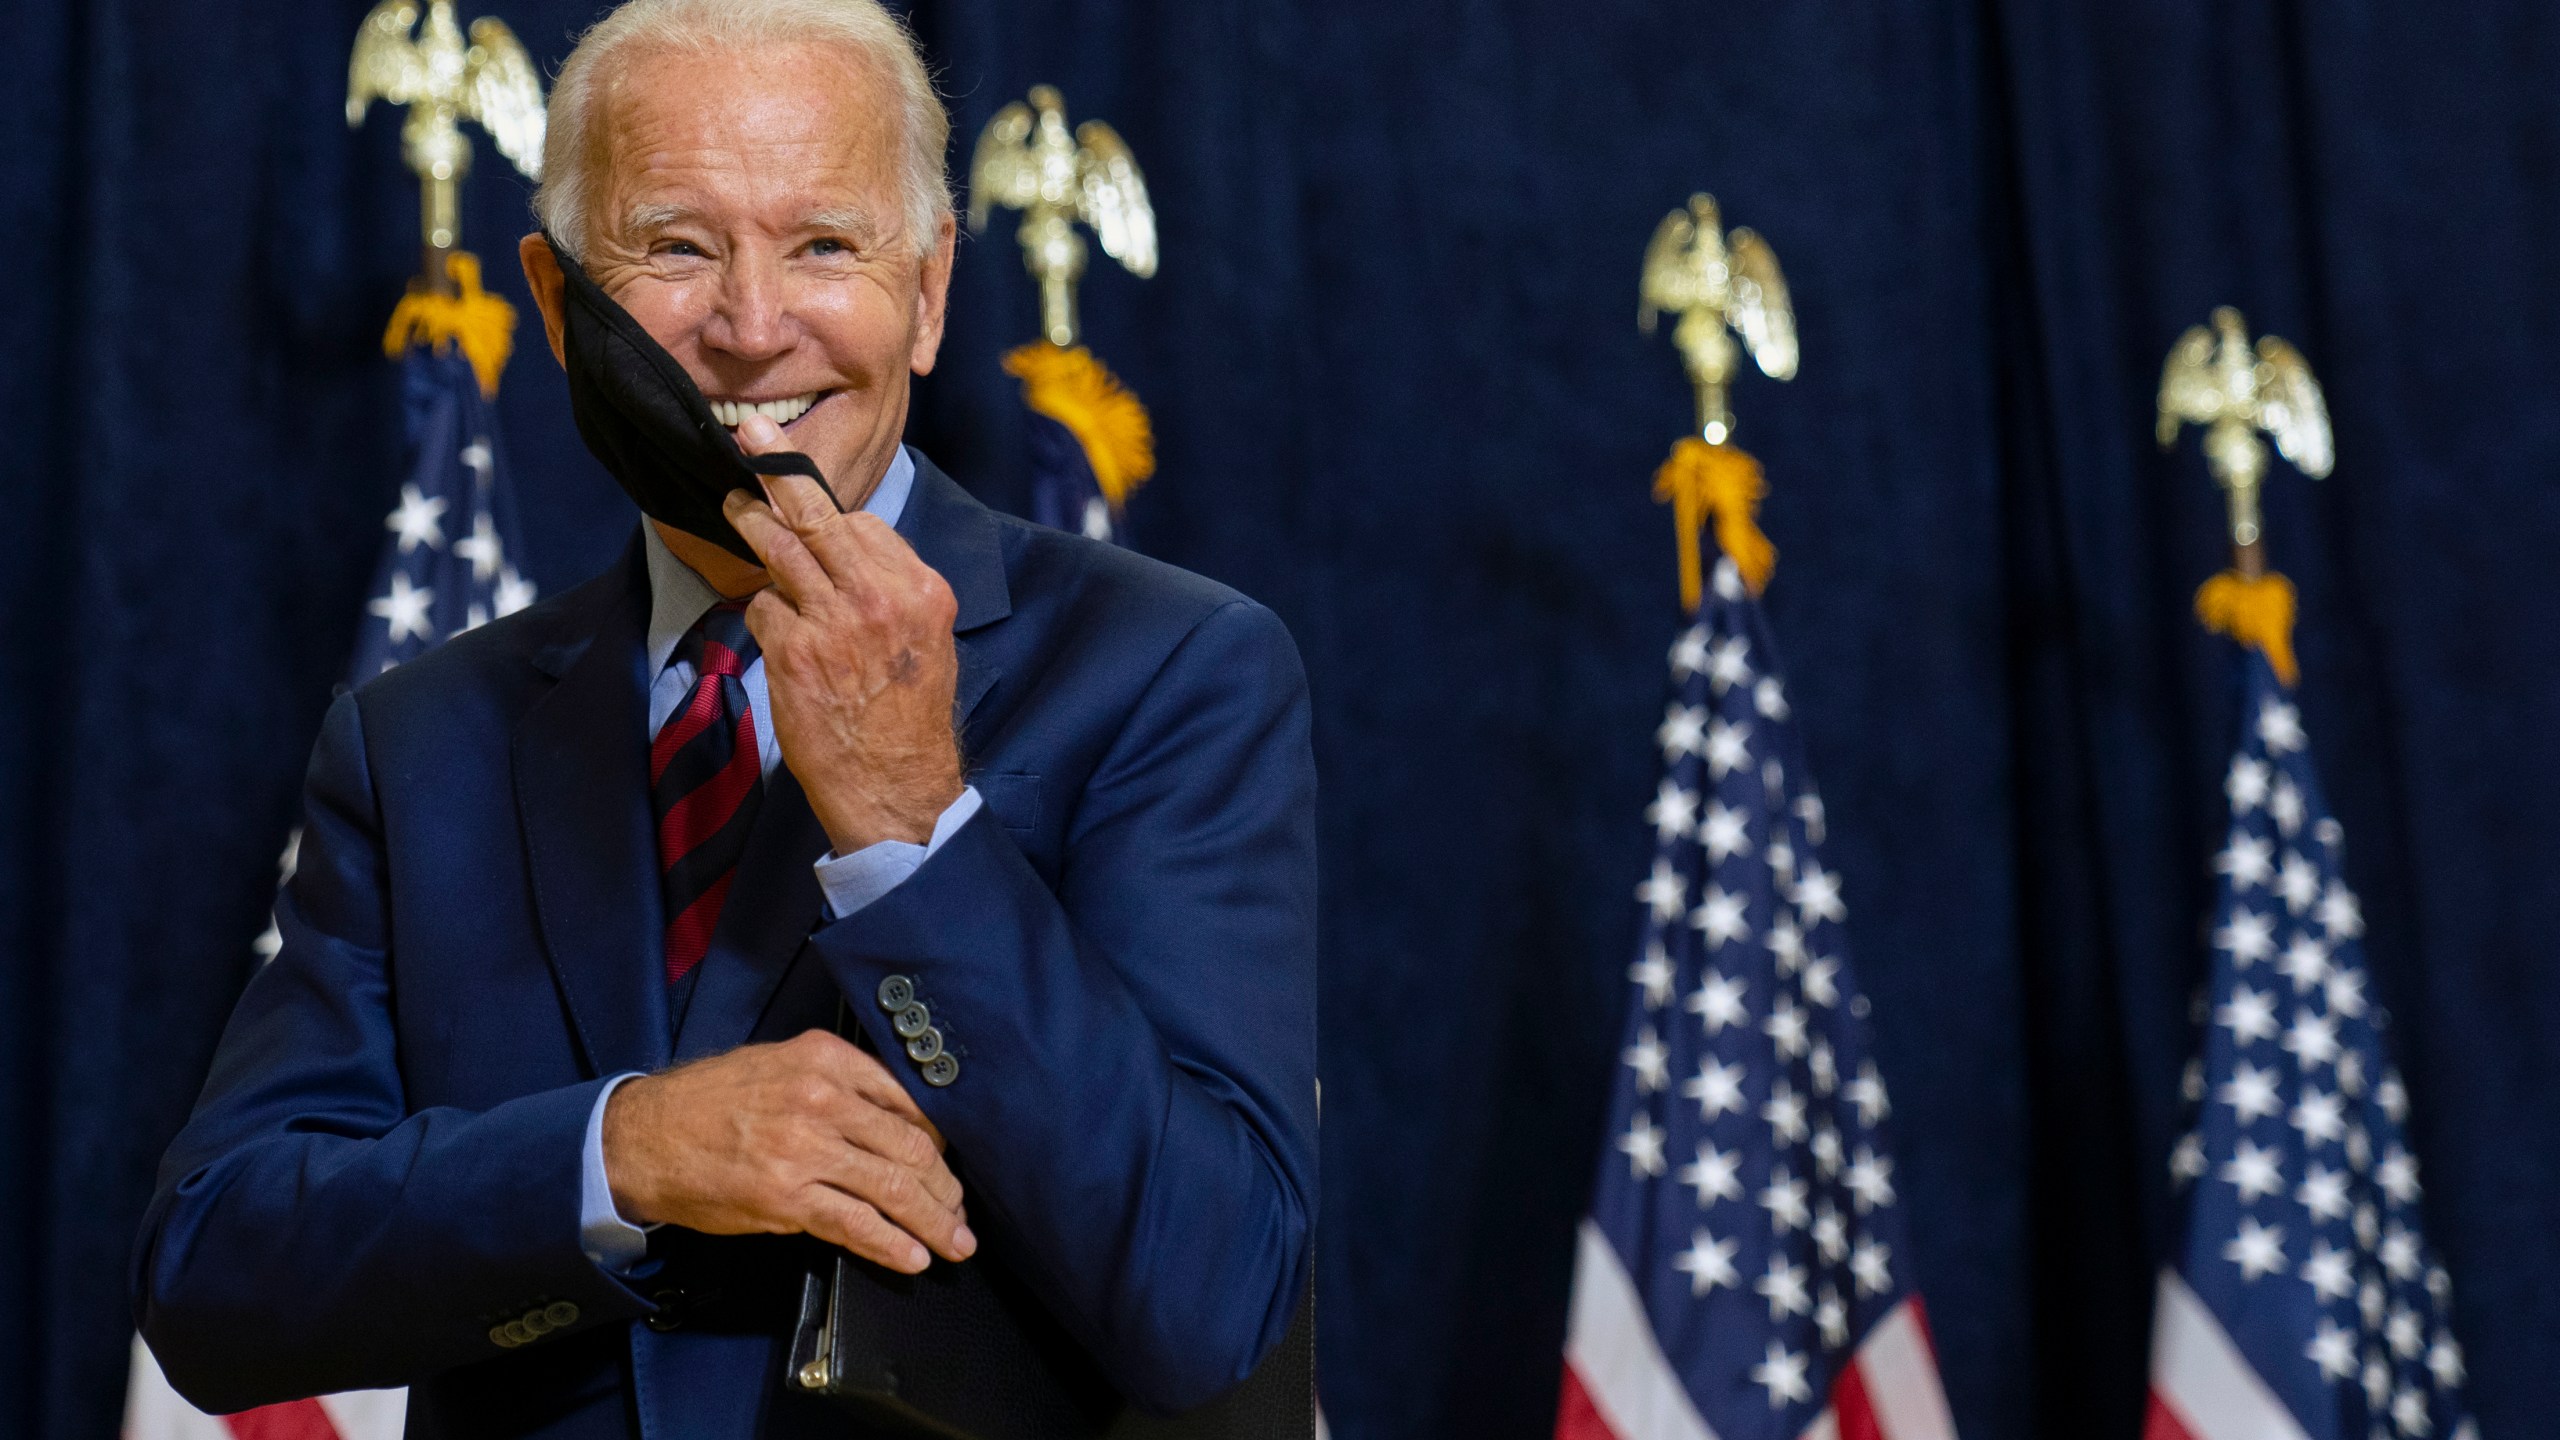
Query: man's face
[[748, 215]]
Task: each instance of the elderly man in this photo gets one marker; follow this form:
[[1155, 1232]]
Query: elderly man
[[932, 882]]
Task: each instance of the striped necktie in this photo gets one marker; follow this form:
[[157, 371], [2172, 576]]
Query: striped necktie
[[705, 776]]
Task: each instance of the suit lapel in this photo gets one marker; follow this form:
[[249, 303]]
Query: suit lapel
[[582, 796], [962, 540]]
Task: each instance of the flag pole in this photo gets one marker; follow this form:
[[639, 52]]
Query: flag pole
[[1721, 285], [1092, 442], [445, 79], [2237, 391]]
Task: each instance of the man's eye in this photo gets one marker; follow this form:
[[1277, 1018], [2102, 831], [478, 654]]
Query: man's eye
[[683, 247], [829, 245]]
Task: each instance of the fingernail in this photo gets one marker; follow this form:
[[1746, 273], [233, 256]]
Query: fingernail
[[917, 1259], [964, 1241], [730, 502]]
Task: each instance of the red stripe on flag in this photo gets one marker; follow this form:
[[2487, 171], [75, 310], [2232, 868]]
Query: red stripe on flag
[[2162, 1423], [293, 1420], [1576, 1417], [1851, 1407]]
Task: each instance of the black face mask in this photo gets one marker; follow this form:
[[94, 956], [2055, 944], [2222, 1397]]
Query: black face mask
[[647, 421]]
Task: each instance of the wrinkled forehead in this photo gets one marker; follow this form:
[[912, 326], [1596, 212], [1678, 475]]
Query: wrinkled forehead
[[768, 132]]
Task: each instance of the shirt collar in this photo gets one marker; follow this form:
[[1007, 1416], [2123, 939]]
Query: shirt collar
[[678, 597]]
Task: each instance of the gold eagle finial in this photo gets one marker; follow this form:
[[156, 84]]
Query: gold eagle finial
[[1026, 160], [443, 81], [2216, 379], [1717, 283]]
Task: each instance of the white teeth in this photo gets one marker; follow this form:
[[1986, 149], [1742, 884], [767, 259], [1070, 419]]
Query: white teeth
[[734, 413]]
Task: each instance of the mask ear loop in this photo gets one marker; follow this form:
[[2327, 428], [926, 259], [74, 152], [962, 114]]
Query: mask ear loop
[[586, 293]]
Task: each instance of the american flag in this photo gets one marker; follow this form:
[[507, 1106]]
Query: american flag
[[1743, 1271], [446, 564], [1064, 494], [2304, 1303], [444, 569]]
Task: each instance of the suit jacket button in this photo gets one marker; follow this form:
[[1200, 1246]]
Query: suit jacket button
[[895, 992], [499, 1337], [561, 1314], [517, 1332], [912, 1021], [925, 1046], [941, 1070], [670, 1312]]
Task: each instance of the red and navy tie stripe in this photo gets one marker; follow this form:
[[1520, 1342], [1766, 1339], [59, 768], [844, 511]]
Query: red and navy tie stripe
[[705, 777]]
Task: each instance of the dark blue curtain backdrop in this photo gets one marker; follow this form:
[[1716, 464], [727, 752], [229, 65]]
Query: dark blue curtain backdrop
[[1400, 396]]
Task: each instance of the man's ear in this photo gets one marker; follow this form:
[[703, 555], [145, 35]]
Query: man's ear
[[933, 298], [542, 275]]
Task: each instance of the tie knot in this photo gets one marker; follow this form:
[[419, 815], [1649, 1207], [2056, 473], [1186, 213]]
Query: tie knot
[[719, 643]]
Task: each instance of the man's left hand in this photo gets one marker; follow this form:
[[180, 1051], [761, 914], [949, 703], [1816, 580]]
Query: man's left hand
[[859, 663]]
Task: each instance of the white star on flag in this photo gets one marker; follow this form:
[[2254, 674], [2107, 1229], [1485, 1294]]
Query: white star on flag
[[1708, 1262], [1722, 917], [1642, 1145], [419, 520], [1647, 1058], [404, 609], [1716, 1175], [1718, 1002], [1665, 891], [1728, 748], [1717, 1089], [482, 547], [1653, 974], [2258, 1249], [1683, 732], [1781, 1373]]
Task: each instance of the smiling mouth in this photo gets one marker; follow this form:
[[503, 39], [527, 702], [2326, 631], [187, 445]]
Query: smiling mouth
[[734, 413]]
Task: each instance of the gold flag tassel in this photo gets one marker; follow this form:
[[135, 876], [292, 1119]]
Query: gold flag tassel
[[1723, 484], [2255, 610], [484, 325], [1071, 387]]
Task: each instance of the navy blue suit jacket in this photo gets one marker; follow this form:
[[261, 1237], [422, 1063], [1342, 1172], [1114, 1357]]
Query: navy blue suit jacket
[[1119, 947]]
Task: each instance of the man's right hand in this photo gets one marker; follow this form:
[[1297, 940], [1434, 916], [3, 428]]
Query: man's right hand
[[811, 1136]]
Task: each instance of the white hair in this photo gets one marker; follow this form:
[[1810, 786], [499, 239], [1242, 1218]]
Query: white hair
[[565, 202]]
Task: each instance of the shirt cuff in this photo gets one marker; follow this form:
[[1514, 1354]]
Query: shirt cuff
[[609, 1240], [855, 880]]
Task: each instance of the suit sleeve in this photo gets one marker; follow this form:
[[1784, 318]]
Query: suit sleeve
[[309, 1233], [1134, 1099]]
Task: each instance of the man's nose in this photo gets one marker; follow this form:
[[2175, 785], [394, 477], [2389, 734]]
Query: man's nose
[[752, 320]]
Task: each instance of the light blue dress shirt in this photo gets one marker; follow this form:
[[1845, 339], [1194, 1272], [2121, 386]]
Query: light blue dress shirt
[[677, 598]]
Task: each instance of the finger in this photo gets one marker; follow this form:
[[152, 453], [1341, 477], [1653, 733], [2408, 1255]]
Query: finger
[[770, 618], [758, 435], [841, 1220], [879, 542], [802, 502], [796, 573], [859, 550], [859, 1124], [902, 1197]]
